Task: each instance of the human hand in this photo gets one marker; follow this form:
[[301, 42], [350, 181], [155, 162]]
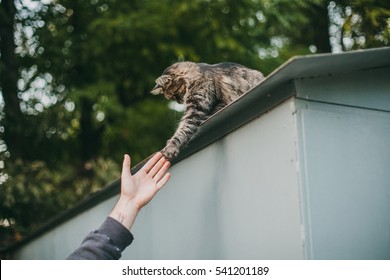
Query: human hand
[[143, 186], [138, 189]]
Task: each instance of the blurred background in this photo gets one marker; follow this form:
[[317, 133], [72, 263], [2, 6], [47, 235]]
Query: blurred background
[[75, 78]]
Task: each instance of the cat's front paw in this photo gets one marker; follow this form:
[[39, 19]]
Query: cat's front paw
[[170, 152]]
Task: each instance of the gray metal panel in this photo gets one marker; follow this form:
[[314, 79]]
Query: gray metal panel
[[366, 88], [62, 240], [345, 160], [236, 199]]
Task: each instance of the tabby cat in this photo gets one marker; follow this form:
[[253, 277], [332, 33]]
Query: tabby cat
[[203, 89]]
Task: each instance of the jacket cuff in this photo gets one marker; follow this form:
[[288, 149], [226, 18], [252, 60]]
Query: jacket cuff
[[118, 234]]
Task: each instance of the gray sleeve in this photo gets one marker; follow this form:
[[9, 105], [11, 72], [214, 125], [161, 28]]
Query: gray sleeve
[[105, 243]]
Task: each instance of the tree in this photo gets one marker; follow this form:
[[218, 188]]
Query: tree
[[359, 24], [9, 77]]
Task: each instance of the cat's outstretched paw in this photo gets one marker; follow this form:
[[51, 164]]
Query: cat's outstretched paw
[[170, 152]]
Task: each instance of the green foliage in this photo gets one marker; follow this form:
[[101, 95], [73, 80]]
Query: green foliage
[[366, 23], [35, 191], [85, 69]]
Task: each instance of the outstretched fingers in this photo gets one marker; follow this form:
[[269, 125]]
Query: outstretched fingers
[[163, 180], [152, 162], [157, 168], [161, 171]]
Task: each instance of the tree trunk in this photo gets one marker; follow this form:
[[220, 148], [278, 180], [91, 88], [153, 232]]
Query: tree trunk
[[90, 135], [13, 122], [321, 25]]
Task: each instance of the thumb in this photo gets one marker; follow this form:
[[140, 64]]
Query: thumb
[[126, 165]]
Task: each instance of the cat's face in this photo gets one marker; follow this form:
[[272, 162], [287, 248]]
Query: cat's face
[[173, 84]]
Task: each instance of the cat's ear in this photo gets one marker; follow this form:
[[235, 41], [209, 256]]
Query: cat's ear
[[163, 80]]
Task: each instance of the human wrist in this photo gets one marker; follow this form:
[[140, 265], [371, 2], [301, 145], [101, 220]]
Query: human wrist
[[125, 212]]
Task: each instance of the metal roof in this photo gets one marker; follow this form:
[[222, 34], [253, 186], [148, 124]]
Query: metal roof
[[278, 86], [274, 89]]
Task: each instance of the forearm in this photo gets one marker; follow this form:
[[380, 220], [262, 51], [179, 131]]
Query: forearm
[[188, 127], [113, 236], [125, 212]]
